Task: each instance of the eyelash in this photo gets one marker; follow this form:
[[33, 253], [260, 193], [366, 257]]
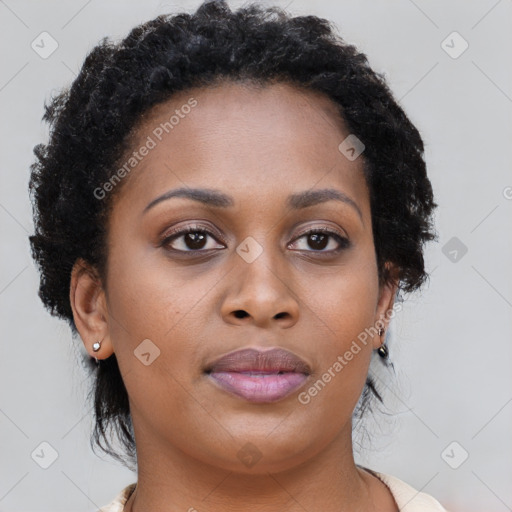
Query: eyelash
[[343, 242]]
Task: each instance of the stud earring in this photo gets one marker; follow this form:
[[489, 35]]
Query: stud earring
[[96, 346]]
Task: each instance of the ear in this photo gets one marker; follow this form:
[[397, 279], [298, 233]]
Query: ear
[[387, 295], [89, 306]]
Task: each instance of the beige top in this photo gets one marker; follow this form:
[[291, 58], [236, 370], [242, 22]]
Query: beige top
[[407, 498]]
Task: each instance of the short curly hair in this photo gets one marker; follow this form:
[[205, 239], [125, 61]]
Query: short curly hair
[[91, 123]]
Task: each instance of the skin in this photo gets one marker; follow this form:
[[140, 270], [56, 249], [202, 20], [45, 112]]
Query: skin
[[258, 145]]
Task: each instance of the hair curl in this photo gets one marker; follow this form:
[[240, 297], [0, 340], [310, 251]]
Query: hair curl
[[91, 122]]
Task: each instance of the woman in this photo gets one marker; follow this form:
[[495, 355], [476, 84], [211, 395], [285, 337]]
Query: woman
[[226, 210]]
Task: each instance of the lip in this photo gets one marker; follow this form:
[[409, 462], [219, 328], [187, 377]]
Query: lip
[[259, 376]]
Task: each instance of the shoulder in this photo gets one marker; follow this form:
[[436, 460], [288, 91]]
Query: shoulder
[[407, 497], [117, 504]]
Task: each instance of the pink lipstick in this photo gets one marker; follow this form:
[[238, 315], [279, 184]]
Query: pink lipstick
[[259, 376]]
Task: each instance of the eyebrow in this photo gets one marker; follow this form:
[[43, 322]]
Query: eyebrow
[[217, 199]]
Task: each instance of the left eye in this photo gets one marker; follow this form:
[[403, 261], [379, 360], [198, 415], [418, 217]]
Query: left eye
[[319, 239]]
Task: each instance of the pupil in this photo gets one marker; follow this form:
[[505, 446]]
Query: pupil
[[195, 240], [319, 238]]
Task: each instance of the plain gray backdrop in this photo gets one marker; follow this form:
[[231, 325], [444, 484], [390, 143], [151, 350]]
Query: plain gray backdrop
[[451, 402]]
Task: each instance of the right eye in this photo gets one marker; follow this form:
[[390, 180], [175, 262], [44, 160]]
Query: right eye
[[190, 239]]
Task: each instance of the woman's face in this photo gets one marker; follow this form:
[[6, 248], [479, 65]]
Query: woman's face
[[248, 276]]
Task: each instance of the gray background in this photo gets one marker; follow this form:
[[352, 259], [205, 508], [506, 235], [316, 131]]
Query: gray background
[[451, 344]]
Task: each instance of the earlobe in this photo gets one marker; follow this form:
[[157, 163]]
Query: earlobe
[[90, 314], [387, 295]]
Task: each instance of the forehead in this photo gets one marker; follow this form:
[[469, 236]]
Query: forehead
[[242, 138]]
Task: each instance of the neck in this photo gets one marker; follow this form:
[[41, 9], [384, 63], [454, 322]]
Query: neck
[[170, 480]]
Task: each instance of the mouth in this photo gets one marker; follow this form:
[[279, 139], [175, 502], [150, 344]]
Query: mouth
[[259, 376]]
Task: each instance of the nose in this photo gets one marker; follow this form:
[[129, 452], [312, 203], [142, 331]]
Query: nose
[[260, 293]]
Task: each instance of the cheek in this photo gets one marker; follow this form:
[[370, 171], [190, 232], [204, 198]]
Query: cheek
[[344, 350], [344, 300], [153, 329], [341, 311], [145, 294], [150, 299]]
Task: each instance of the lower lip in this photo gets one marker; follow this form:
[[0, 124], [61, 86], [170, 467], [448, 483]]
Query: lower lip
[[260, 388]]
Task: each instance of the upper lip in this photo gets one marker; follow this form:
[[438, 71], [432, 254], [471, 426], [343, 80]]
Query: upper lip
[[252, 359]]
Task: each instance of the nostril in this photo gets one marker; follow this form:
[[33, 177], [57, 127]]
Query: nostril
[[281, 315], [240, 313]]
